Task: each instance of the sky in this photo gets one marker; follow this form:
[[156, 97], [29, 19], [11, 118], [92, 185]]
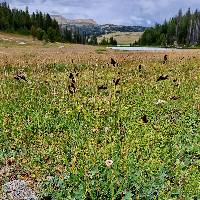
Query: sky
[[120, 12]]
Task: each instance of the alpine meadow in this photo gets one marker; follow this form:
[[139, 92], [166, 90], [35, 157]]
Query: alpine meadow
[[80, 120]]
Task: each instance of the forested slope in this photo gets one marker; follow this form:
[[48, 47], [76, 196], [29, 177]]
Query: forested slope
[[182, 29]]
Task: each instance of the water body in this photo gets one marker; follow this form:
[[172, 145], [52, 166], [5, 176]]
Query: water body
[[142, 49]]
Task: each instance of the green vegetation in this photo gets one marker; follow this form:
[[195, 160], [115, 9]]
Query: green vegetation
[[43, 27], [39, 25], [88, 126], [123, 38], [93, 40], [60, 126], [180, 30], [111, 41], [18, 21]]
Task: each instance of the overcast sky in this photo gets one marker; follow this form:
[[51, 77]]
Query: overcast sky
[[127, 12]]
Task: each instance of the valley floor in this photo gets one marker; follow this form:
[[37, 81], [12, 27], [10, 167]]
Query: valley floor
[[66, 110]]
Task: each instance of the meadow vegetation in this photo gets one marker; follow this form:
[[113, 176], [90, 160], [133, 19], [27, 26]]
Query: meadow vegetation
[[75, 110], [123, 38]]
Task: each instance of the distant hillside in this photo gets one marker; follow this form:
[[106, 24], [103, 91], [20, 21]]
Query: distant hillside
[[90, 27], [123, 38], [39, 25], [111, 28]]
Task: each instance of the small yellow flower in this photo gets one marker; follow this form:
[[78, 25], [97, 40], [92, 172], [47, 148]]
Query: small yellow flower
[[68, 111]]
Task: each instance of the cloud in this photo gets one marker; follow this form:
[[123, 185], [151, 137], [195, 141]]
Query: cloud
[[128, 12]]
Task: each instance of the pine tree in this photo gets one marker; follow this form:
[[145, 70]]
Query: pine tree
[[40, 33], [33, 31], [51, 34], [104, 41], [113, 41]]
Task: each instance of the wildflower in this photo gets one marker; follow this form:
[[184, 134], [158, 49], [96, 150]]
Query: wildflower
[[95, 130], [175, 97], [163, 78], [113, 62], [140, 68], [165, 59], [107, 129], [109, 163], [159, 102], [145, 119]]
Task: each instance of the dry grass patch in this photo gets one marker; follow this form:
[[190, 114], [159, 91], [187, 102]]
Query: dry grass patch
[[123, 38]]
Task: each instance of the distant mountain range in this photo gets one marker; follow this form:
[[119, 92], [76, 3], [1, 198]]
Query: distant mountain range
[[90, 27], [61, 20]]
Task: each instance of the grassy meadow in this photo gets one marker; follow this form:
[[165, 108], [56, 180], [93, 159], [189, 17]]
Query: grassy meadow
[[125, 38], [74, 111]]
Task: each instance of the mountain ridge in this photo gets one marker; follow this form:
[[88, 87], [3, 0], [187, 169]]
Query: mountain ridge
[[62, 20], [91, 27]]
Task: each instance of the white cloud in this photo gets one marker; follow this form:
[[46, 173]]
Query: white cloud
[[132, 12]]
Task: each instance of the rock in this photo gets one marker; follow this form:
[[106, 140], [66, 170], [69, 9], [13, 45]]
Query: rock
[[18, 190], [21, 43]]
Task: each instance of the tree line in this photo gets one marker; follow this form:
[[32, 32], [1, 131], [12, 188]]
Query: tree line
[[39, 25], [111, 41], [42, 27], [183, 29]]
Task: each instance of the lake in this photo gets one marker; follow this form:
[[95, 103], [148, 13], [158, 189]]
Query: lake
[[142, 49]]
